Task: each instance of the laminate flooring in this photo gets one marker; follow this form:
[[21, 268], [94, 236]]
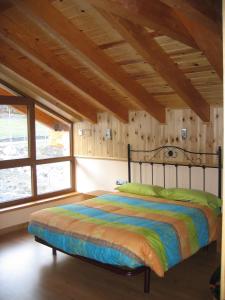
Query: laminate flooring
[[28, 271]]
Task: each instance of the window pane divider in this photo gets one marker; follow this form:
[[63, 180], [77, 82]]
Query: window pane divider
[[32, 160], [53, 160], [32, 148], [20, 162], [15, 100]]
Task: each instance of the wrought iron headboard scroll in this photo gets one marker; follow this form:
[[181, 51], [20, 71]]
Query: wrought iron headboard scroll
[[170, 151]]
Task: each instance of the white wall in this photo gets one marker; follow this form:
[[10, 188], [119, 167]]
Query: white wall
[[101, 174]]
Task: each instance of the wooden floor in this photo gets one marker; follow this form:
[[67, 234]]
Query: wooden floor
[[28, 271]]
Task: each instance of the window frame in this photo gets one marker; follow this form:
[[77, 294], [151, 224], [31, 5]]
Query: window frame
[[31, 160]]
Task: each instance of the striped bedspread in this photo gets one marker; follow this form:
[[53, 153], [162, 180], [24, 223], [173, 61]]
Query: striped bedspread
[[128, 230]]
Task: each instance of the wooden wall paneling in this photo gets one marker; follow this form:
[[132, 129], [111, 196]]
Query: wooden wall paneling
[[75, 133], [144, 132], [103, 142], [107, 124], [95, 141], [218, 129], [89, 138]]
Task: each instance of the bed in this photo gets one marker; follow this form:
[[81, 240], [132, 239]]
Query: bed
[[132, 230]]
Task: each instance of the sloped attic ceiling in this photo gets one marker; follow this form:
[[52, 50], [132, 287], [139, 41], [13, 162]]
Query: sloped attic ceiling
[[89, 56]]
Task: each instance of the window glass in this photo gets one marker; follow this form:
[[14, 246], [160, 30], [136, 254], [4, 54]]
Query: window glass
[[52, 135], [52, 140], [53, 177], [13, 132], [15, 183]]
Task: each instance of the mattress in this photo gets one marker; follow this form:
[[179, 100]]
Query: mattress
[[128, 230]]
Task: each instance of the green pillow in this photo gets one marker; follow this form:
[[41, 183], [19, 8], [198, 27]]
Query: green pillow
[[195, 196], [140, 189]]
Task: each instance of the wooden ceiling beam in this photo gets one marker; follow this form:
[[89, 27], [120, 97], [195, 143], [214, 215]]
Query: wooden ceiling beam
[[14, 60], [5, 92], [150, 13], [94, 57], [112, 45], [203, 21], [32, 42], [209, 42], [199, 27], [5, 5], [153, 53], [40, 115], [22, 87], [207, 12]]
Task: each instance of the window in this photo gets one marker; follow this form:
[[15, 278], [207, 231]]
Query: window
[[13, 132], [53, 177], [52, 135], [36, 158], [15, 183]]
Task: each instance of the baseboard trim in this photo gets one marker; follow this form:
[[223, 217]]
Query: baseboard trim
[[13, 228]]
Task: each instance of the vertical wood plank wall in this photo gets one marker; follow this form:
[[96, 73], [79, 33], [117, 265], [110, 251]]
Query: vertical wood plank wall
[[144, 132]]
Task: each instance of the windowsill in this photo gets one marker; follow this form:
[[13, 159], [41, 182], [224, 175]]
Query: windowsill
[[38, 202]]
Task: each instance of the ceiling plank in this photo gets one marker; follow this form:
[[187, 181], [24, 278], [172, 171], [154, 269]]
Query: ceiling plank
[[5, 92], [20, 86], [153, 53], [92, 55], [150, 13], [14, 60], [30, 39], [203, 20], [209, 43], [40, 115]]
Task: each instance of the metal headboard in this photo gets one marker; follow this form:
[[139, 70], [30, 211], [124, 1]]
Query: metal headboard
[[170, 150]]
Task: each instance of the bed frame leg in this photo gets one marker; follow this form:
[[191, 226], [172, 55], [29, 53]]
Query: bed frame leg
[[53, 251], [147, 280], [206, 248]]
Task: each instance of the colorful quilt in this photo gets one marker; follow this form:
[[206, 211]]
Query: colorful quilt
[[128, 230]]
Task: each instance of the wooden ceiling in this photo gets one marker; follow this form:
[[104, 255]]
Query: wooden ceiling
[[89, 56]]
